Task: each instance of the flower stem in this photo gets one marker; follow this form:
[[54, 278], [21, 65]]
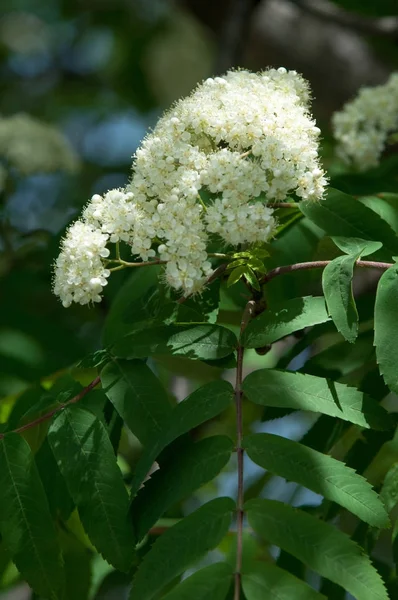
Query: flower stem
[[247, 313]]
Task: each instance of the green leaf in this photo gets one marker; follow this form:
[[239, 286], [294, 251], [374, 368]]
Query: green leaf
[[386, 327], [59, 500], [319, 545], [85, 457], [137, 395], [77, 565], [252, 278], [94, 360], [356, 246], [206, 342], [202, 405], [178, 478], [339, 214], [212, 582], [236, 275], [270, 387], [389, 491], [337, 287], [181, 545], [134, 307], [292, 316], [265, 580], [318, 472], [25, 520]]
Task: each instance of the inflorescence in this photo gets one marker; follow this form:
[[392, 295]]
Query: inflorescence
[[363, 127], [207, 171]]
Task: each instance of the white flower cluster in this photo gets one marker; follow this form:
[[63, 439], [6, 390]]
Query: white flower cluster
[[79, 271], [32, 146], [209, 167], [363, 126]]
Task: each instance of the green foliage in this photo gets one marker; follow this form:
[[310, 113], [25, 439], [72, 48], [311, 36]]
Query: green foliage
[[340, 214], [265, 580], [137, 395], [205, 403], [319, 473], [87, 462], [192, 537], [270, 387], [211, 582], [319, 545], [386, 327], [178, 478], [337, 287], [206, 342], [294, 315], [25, 521]]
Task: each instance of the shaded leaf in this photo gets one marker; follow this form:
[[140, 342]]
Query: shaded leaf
[[292, 316], [356, 246], [319, 545], [26, 525], [177, 479], [134, 307], [85, 457], [265, 580], [181, 545], [137, 395], [59, 500], [77, 565], [207, 342], [337, 287], [340, 214], [270, 387], [318, 472], [200, 406], [212, 582], [386, 327], [236, 275]]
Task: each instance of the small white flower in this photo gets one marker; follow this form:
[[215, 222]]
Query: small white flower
[[79, 274], [363, 126]]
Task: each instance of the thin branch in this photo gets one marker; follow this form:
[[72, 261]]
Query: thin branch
[[319, 264], [52, 412], [125, 263], [282, 205], [235, 34], [327, 11], [247, 313]]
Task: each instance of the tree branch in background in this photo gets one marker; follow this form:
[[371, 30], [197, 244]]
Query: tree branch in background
[[327, 11], [234, 34]]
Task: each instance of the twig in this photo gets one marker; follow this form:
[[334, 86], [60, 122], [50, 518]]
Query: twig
[[247, 313], [235, 34], [319, 264], [322, 9], [283, 205], [52, 412]]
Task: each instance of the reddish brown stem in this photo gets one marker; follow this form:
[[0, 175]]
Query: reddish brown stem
[[250, 306], [52, 412], [319, 264]]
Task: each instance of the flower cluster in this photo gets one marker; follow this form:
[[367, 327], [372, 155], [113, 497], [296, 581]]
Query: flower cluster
[[363, 126], [209, 168]]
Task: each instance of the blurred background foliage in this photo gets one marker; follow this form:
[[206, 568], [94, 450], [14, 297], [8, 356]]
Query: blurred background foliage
[[101, 72]]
